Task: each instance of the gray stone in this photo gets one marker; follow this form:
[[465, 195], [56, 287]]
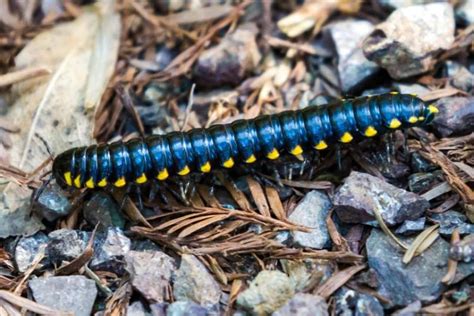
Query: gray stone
[[269, 291], [450, 220], [150, 273], [362, 193], [186, 308], [52, 204], [419, 280], [350, 302], [455, 117], [353, 67], [136, 309], [28, 248], [421, 182], [101, 209], [231, 60], [194, 282], [66, 245], [465, 11], [74, 293], [417, 89], [304, 305], [312, 212], [459, 76], [411, 227], [407, 42], [463, 250], [304, 272], [109, 250]]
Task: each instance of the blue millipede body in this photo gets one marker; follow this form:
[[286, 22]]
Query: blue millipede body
[[243, 141]]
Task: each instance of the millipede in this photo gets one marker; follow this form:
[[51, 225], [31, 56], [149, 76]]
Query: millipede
[[157, 157]]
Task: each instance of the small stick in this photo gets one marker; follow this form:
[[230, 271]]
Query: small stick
[[24, 74]]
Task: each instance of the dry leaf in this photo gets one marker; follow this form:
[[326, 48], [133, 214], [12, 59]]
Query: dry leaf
[[418, 246], [52, 107]]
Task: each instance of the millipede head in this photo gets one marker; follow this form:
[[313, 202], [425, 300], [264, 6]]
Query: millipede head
[[62, 169]]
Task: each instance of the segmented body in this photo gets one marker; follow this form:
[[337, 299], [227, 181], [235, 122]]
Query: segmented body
[[243, 141]]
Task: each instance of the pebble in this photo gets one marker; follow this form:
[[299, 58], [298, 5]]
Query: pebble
[[459, 76], [193, 282], [186, 308], [231, 60], [361, 193], [420, 164], [28, 248], [303, 272], [353, 67], [66, 245], [312, 212], [52, 204], [420, 280], [136, 309], [350, 302], [407, 41], [465, 11], [417, 89], [150, 273], [304, 305], [455, 117], [411, 227], [422, 182], [450, 220], [75, 293], [109, 249], [101, 209], [269, 291]]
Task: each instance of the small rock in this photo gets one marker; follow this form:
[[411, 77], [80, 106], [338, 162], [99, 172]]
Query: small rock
[[74, 293], [304, 272], [194, 282], [109, 250], [361, 193], [411, 309], [136, 309], [411, 227], [28, 248], [422, 182], [450, 220], [420, 164], [353, 67], [463, 250], [101, 209], [350, 302], [465, 11], [144, 245], [303, 305], [52, 204], [420, 280], [66, 245], [312, 212], [229, 62], [186, 308], [459, 76], [417, 89], [455, 117], [269, 291], [150, 272], [407, 41]]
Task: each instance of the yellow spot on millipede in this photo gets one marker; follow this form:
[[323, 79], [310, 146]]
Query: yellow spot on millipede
[[395, 123], [433, 109], [120, 182], [413, 119], [274, 154], [370, 131], [163, 174], [184, 171], [102, 183], [297, 150], [141, 179], [251, 159], [346, 137], [206, 167], [67, 178], [77, 181], [321, 145], [229, 163], [90, 183]]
